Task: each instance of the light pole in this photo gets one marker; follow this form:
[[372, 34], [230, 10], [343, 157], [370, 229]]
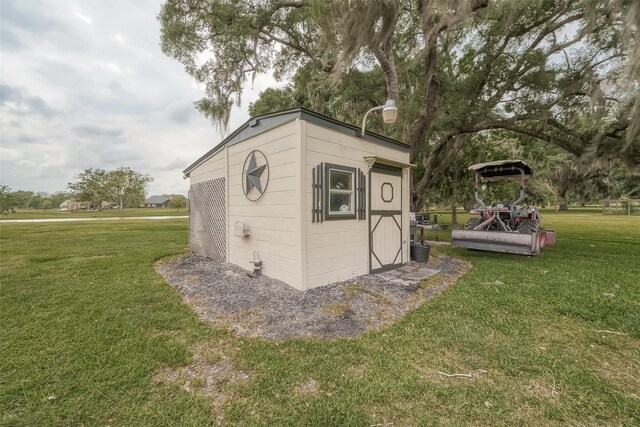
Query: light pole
[[389, 113]]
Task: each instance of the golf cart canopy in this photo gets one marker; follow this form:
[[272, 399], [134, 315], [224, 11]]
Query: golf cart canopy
[[501, 169]]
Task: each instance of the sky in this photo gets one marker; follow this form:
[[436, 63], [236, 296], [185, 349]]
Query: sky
[[84, 84]]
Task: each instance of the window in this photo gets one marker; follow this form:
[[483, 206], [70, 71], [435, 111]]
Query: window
[[337, 192], [340, 194]]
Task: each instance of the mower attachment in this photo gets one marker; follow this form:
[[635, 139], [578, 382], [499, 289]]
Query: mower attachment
[[508, 242]]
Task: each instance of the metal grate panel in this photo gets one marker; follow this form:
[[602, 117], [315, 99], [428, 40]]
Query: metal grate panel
[[207, 219]]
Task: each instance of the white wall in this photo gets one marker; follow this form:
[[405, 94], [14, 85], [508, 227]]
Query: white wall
[[213, 168], [338, 250], [274, 217]]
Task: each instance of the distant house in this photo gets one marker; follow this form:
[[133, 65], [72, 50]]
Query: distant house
[[69, 205], [157, 202]]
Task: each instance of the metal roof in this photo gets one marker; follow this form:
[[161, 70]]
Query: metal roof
[[269, 121], [157, 199], [501, 169]]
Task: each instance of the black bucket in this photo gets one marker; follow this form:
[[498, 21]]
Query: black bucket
[[419, 253]]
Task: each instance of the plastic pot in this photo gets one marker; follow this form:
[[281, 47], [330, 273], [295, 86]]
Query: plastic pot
[[420, 253]]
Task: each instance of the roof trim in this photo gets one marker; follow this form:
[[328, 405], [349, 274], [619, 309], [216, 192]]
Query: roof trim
[[269, 121]]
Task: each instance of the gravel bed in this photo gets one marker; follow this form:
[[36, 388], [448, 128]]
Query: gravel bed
[[224, 295]]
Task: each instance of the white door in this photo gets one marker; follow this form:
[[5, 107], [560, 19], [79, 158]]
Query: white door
[[385, 218]]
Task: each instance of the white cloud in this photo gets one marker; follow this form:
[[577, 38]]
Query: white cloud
[[9, 154], [103, 95], [83, 18], [113, 67]]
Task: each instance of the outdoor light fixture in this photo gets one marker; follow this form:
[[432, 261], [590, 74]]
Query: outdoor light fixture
[[389, 113]]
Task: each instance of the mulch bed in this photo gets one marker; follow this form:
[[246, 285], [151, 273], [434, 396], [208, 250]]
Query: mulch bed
[[224, 295]]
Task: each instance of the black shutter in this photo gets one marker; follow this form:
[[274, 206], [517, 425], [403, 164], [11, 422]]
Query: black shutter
[[361, 199], [316, 202]]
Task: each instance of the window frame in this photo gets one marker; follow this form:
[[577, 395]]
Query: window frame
[[328, 215]]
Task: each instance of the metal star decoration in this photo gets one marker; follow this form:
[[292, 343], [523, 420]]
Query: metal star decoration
[[254, 175]]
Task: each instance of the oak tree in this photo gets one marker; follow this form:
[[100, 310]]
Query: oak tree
[[7, 200], [122, 185], [561, 71]]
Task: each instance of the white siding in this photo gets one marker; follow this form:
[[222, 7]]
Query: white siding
[[338, 250], [273, 218], [213, 168]]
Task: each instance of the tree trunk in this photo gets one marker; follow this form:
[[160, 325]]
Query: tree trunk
[[563, 201], [441, 156], [454, 204]]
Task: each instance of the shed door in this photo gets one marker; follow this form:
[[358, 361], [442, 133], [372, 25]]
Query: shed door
[[385, 218]]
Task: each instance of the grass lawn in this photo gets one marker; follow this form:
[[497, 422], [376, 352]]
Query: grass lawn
[[552, 340], [128, 212]]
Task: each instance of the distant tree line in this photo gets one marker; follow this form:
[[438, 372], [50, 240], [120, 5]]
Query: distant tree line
[[21, 199], [178, 201], [560, 179], [122, 187]]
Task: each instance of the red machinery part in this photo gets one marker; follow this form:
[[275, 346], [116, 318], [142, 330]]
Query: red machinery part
[[551, 237]]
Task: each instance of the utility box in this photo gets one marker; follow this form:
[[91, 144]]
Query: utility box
[[242, 230]]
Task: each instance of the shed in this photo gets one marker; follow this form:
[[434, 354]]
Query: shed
[[307, 195]]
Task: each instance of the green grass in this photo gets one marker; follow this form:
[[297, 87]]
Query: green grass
[[86, 319], [128, 212]]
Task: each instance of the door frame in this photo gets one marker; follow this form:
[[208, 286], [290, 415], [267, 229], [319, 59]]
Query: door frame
[[388, 170]]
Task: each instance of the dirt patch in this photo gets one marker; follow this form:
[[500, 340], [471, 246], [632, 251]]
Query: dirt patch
[[207, 374], [224, 295], [308, 387]]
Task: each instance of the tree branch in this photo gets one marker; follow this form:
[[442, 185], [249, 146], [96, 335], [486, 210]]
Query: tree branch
[[268, 37]]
